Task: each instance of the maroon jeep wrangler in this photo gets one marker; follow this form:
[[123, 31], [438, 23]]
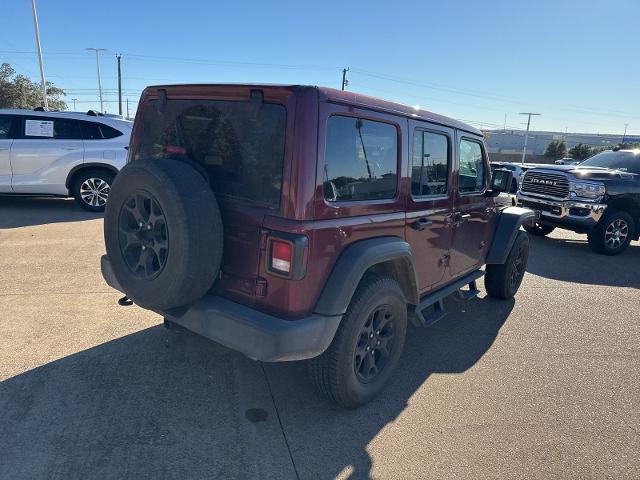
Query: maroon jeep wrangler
[[297, 222]]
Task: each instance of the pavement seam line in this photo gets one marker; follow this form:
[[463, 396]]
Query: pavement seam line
[[284, 435]]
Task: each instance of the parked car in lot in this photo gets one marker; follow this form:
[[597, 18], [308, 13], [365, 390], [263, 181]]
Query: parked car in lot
[[62, 154], [599, 197], [567, 161], [296, 222]]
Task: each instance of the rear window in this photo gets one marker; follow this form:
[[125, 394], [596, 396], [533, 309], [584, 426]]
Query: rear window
[[240, 145]]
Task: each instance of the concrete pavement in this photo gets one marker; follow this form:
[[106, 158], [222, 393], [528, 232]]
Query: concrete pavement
[[545, 387]]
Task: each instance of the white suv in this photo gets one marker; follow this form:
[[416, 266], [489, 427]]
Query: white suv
[[62, 153]]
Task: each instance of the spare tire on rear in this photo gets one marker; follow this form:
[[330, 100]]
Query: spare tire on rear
[[163, 233]]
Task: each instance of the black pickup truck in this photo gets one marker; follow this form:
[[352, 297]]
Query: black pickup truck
[[599, 197]]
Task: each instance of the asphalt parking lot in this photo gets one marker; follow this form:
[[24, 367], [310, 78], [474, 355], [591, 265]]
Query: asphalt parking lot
[[544, 387]]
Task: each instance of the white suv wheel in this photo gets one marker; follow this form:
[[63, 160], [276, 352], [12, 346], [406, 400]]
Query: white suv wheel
[[94, 191]]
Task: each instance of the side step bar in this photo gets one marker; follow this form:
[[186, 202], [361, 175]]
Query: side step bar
[[436, 299]]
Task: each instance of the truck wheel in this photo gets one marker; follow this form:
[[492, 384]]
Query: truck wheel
[[503, 280], [613, 233], [539, 230], [163, 233], [367, 346], [91, 189]]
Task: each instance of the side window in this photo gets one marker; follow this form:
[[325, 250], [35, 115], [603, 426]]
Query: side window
[[91, 131], [48, 127], [361, 159], [429, 164], [472, 175], [109, 132], [5, 126]]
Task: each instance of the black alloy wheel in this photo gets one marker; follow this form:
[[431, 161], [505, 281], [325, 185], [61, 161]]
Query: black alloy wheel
[[375, 344], [144, 239]]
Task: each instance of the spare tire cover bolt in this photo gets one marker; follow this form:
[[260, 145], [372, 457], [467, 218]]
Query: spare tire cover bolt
[[144, 247], [140, 224], [149, 227]]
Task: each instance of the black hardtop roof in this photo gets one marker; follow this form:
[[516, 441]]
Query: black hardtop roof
[[350, 98]]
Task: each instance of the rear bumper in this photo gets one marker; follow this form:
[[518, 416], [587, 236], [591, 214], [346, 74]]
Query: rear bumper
[[564, 213], [257, 335]]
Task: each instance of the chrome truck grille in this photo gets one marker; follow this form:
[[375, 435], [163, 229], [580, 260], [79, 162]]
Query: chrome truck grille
[[543, 183]]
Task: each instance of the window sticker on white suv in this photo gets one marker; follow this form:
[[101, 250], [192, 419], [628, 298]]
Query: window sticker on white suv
[[38, 128]]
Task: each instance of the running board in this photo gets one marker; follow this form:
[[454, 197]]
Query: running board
[[436, 299]]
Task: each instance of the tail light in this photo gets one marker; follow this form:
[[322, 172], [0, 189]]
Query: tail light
[[286, 255], [281, 256]]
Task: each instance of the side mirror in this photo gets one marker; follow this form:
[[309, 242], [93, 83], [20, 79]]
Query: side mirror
[[500, 182]]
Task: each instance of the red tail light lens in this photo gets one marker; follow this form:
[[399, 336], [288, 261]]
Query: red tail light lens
[[175, 149], [281, 256]]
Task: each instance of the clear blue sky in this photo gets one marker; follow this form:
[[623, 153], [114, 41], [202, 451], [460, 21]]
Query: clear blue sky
[[576, 62]]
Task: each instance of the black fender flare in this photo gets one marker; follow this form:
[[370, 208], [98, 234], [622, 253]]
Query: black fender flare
[[355, 260], [82, 166], [508, 223]]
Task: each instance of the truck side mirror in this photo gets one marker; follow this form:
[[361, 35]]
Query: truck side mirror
[[500, 181]]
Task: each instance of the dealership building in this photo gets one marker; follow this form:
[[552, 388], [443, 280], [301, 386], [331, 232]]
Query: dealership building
[[512, 141]]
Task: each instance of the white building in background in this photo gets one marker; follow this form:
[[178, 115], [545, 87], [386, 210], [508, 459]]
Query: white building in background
[[512, 141]]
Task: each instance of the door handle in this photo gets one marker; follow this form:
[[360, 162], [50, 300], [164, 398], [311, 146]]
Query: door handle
[[421, 224], [70, 148]]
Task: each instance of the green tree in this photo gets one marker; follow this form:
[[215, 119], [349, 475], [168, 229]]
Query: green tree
[[556, 149], [580, 152], [17, 91]]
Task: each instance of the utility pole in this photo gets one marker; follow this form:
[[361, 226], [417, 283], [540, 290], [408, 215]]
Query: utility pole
[[43, 81], [128, 109], [526, 136], [624, 135], [74, 104], [504, 127], [98, 50], [345, 82], [119, 56]]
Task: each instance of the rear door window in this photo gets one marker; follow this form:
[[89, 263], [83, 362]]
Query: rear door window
[[239, 144], [43, 128], [361, 159], [430, 164]]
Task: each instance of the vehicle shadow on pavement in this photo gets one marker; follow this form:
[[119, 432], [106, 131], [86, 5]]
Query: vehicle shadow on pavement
[[570, 260], [160, 404], [18, 212], [327, 441]]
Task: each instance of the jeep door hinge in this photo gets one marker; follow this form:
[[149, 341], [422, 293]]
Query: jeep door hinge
[[444, 261]]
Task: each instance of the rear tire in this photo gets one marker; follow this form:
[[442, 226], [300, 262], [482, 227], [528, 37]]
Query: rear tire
[[355, 368], [91, 189], [503, 281], [539, 230], [603, 239]]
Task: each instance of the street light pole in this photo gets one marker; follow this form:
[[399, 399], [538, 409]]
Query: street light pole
[[98, 50], [74, 104], [526, 136], [624, 135], [43, 81]]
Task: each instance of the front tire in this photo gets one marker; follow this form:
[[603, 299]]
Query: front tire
[[503, 281], [91, 189], [613, 233], [367, 347], [539, 230]]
